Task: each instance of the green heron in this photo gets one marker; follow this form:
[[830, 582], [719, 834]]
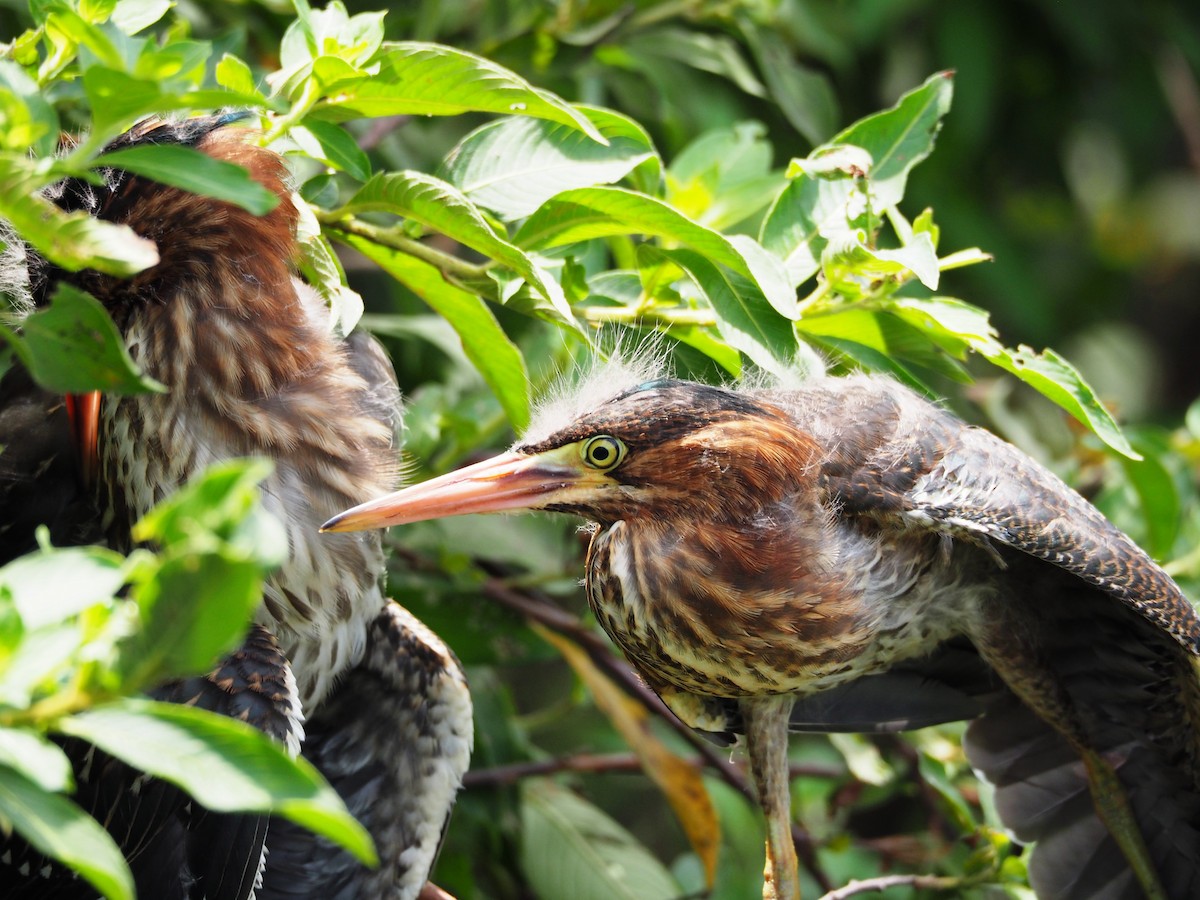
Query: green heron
[[253, 368], [845, 555]]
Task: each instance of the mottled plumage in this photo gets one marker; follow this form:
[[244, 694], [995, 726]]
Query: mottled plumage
[[175, 848], [847, 556], [253, 367], [393, 780]]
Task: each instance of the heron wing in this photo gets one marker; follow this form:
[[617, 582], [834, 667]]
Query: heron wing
[[1109, 629]]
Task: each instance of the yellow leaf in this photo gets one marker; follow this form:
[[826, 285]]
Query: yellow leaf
[[678, 779]]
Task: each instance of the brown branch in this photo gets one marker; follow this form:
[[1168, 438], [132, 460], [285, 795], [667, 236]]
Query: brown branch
[[594, 763], [502, 776]]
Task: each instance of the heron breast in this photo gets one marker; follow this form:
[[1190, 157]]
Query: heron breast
[[704, 630]]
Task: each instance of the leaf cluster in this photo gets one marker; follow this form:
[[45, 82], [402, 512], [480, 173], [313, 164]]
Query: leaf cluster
[[83, 630]]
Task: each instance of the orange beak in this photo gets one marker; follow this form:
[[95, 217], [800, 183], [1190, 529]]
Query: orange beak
[[84, 412], [510, 481]]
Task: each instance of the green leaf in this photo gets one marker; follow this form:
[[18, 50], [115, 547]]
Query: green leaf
[[96, 11], [804, 95], [118, 98], [42, 655], [879, 340], [335, 75], [176, 66], [1047, 372], [744, 316], [72, 240], [218, 544], [331, 34], [722, 155], [863, 758], [792, 228], [723, 177], [832, 161], [769, 273], [52, 586], [586, 213], [322, 269], [131, 16], [227, 765], [191, 170], [30, 122], [851, 266], [569, 848], [233, 73], [36, 758], [333, 145], [441, 206], [709, 344], [12, 627], [61, 830], [1158, 496], [1051, 375], [714, 53], [354, 39], [63, 23], [219, 506], [417, 78], [195, 609], [900, 137], [954, 325], [934, 773], [869, 358], [483, 340], [514, 165], [73, 347]]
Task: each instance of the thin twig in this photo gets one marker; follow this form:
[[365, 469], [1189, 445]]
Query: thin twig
[[592, 763], [646, 315], [339, 223], [598, 763], [883, 882]]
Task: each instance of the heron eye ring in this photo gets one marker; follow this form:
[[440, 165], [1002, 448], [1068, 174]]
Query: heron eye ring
[[602, 451]]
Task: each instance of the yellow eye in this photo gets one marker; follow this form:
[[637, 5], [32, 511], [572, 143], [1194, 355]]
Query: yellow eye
[[602, 451]]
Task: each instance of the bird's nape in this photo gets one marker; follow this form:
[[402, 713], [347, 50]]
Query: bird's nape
[[849, 547]]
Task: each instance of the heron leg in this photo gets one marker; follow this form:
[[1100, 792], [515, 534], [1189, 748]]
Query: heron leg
[[1112, 805], [766, 722], [1008, 647]]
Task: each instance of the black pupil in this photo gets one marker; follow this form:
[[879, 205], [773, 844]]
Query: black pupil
[[601, 453]]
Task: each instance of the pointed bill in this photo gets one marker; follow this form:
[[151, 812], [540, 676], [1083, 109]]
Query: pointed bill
[[510, 481]]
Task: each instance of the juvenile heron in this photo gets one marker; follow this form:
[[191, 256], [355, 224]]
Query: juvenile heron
[[847, 556], [253, 368]]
